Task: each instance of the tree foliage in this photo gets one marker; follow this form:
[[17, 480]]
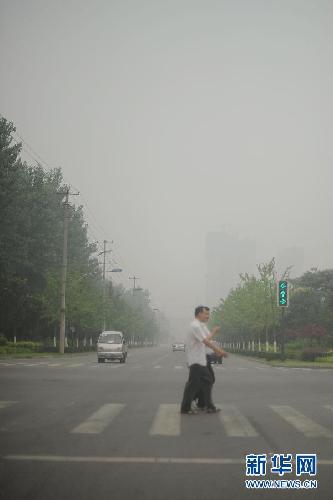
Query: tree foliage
[[250, 311], [31, 229]]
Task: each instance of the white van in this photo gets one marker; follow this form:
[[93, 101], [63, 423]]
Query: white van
[[111, 345]]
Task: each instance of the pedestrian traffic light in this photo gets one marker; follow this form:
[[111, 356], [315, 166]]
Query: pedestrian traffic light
[[283, 298]]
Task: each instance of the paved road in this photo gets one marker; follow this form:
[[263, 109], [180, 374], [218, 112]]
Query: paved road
[[75, 429]]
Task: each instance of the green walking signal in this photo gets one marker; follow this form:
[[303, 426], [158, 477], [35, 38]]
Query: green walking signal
[[283, 295]]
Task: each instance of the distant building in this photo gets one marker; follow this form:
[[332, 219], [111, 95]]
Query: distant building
[[291, 256], [226, 257]]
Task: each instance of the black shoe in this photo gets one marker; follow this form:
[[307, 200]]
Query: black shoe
[[199, 408]]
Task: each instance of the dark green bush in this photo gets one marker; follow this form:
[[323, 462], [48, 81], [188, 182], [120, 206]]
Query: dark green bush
[[269, 356], [311, 353]]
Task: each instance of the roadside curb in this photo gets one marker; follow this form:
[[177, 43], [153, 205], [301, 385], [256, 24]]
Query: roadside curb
[[267, 363]]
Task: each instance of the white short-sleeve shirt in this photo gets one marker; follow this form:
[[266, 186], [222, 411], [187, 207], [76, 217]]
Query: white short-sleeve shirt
[[207, 332], [195, 348]]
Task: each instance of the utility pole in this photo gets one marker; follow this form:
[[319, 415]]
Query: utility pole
[[105, 251], [134, 278], [64, 272]]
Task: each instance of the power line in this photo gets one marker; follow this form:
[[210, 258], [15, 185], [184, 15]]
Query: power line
[[93, 223], [33, 151]]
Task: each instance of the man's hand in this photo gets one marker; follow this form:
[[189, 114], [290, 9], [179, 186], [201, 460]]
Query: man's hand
[[221, 353]]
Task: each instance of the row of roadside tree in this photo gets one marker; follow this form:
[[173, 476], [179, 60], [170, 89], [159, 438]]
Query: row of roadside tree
[[253, 323], [31, 239]]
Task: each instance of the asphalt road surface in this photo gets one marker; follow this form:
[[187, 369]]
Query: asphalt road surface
[[72, 429]]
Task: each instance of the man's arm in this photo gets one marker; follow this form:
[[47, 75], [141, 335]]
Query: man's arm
[[218, 350], [208, 342]]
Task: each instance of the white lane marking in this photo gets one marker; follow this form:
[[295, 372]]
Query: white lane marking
[[137, 460], [31, 364], [241, 368], [166, 421], [74, 365], [260, 368], [99, 420], [5, 404], [235, 423], [7, 364], [157, 366], [54, 364], [178, 367], [302, 423]]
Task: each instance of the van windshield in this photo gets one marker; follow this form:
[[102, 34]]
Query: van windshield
[[110, 338]]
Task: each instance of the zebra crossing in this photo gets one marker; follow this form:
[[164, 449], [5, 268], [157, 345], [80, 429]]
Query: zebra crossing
[[168, 422], [105, 366], [302, 423], [235, 423], [42, 364], [137, 366], [99, 420]]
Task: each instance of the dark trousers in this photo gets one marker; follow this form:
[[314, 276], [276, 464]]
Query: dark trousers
[[206, 400], [199, 379]]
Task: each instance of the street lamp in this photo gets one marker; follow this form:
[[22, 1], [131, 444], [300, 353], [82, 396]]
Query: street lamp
[[156, 310]]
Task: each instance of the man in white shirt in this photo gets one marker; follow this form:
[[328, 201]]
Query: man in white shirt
[[199, 376], [207, 405]]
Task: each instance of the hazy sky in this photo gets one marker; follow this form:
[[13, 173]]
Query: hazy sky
[[174, 118]]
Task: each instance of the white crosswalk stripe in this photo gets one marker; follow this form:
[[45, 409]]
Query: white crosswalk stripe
[[235, 423], [302, 423], [54, 364], [166, 421], [6, 404], [99, 420], [178, 367]]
